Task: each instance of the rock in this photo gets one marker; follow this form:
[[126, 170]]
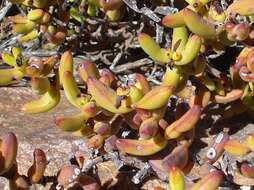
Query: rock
[[36, 131]]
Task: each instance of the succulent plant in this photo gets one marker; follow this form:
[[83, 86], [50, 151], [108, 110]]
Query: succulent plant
[[107, 104]]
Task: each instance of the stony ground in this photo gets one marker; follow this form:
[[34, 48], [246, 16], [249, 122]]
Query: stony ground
[[36, 131]]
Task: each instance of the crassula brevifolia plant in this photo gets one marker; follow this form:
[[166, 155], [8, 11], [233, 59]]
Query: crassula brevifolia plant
[[106, 103]]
